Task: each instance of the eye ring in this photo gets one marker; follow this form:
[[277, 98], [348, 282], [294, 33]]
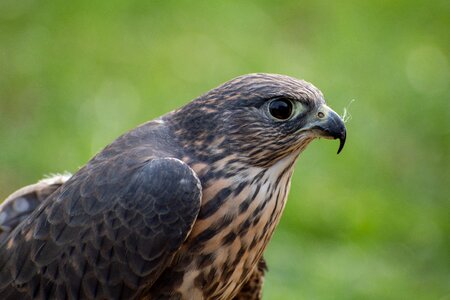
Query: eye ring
[[281, 109]]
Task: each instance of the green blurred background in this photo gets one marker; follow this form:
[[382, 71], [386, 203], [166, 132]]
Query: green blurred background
[[371, 223]]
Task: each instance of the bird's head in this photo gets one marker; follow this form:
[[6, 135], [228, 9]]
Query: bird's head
[[259, 118]]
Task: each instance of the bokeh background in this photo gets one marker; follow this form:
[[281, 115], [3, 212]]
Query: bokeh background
[[371, 223]]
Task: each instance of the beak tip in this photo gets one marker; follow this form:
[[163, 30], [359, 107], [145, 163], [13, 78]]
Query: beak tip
[[342, 139]]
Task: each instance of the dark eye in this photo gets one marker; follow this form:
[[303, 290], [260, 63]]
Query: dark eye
[[281, 109]]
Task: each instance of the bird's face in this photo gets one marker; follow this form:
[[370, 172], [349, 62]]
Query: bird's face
[[260, 118]]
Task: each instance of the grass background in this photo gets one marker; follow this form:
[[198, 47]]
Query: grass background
[[371, 223]]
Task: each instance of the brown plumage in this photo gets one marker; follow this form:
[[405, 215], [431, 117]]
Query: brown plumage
[[181, 207]]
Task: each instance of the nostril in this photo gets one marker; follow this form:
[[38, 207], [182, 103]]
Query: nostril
[[321, 114]]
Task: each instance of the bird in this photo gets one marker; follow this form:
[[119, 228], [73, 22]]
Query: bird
[[180, 207]]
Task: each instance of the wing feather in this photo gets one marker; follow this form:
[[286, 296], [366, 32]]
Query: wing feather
[[19, 205], [99, 237]]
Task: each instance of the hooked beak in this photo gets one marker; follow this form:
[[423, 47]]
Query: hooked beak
[[328, 124]]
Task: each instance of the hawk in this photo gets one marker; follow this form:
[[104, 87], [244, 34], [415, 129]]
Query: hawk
[[181, 207]]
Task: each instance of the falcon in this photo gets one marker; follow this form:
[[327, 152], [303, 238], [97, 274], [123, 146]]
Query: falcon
[[181, 207]]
